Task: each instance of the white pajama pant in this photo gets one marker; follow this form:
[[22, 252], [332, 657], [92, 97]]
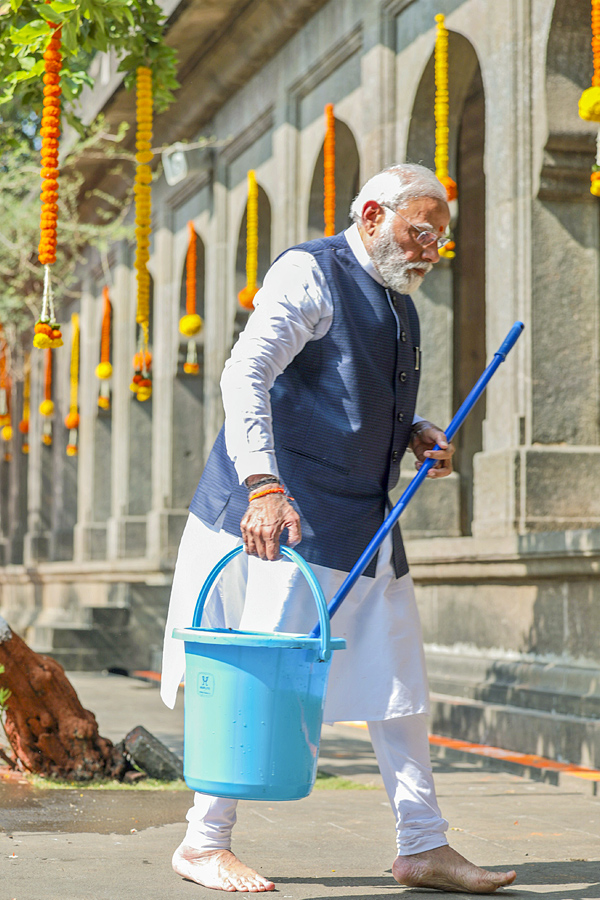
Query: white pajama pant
[[402, 750]]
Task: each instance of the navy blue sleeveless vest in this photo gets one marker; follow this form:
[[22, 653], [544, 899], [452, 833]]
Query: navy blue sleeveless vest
[[342, 413]]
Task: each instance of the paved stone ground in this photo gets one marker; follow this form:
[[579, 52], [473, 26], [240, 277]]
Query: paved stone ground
[[94, 845]]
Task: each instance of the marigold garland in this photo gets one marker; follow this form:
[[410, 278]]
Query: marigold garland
[[248, 293], [24, 423], [4, 383], [142, 190], [191, 324], [104, 367], [441, 118], [47, 332], [46, 408], [589, 102], [141, 383], [72, 418], [6, 431], [329, 171]]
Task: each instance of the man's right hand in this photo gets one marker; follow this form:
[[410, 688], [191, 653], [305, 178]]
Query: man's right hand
[[263, 522]]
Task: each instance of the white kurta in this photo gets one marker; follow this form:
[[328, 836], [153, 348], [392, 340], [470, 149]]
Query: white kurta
[[381, 674]]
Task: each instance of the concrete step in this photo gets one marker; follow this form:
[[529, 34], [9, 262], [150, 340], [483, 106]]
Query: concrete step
[[80, 660], [99, 642], [47, 638], [553, 687], [564, 738], [547, 707]]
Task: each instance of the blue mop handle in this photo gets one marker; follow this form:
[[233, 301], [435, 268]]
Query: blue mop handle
[[391, 519]]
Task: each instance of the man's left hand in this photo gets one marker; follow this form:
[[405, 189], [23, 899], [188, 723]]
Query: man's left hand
[[423, 439]]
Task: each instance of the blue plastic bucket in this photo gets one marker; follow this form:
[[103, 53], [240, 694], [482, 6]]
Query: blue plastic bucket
[[254, 703]]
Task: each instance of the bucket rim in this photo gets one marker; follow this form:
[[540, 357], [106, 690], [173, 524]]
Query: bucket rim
[[266, 639]]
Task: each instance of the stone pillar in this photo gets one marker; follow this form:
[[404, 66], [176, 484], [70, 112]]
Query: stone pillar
[[497, 480], [65, 467], [18, 485], [538, 469], [126, 535], [220, 310], [37, 539], [187, 457], [164, 525], [90, 530], [377, 78]]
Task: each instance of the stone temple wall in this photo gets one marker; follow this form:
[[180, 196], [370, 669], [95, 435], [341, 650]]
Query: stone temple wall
[[505, 553]]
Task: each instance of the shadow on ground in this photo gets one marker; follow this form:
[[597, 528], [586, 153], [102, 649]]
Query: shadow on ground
[[581, 876]]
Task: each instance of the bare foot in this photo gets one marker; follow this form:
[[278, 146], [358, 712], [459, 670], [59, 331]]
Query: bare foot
[[218, 869], [446, 870]]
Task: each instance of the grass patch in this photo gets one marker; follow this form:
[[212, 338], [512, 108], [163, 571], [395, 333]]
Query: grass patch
[[148, 784], [327, 782]]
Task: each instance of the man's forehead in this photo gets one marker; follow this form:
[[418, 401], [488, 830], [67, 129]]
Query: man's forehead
[[428, 212]]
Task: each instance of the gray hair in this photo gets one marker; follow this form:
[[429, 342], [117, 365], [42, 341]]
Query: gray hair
[[396, 186]]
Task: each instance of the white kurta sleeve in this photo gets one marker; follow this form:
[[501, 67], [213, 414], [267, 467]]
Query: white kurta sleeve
[[293, 306]]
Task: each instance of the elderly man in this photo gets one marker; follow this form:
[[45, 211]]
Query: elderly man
[[319, 397]]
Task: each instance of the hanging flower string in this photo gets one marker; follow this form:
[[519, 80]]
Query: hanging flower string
[[248, 293], [441, 120], [589, 102], [191, 324], [72, 418], [4, 409], [24, 423], [329, 172], [47, 332], [141, 384], [104, 367], [5, 414], [46, 408]]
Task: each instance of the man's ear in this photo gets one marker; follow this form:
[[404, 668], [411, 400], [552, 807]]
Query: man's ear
[[372, 216]]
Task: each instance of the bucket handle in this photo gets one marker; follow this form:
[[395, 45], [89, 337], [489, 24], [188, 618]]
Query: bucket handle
[[325, 627]]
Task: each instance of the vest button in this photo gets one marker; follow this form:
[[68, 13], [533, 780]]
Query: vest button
[[403, 336], [395, 456], [402, 376], [400, 417]]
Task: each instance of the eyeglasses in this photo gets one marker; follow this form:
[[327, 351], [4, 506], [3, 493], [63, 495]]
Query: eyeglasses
[[423, 237]]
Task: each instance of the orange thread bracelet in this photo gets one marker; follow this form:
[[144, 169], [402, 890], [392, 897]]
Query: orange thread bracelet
[[273, 490]]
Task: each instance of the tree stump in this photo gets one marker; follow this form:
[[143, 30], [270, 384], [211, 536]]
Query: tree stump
[[48, 729]]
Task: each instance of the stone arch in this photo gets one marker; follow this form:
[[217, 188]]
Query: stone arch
[[347, 182], [452, 302], [264, 255], [188, 397]]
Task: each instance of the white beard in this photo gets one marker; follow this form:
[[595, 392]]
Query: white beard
[[390, 261]]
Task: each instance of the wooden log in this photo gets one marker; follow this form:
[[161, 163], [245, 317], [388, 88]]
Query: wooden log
[[48, 729]]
